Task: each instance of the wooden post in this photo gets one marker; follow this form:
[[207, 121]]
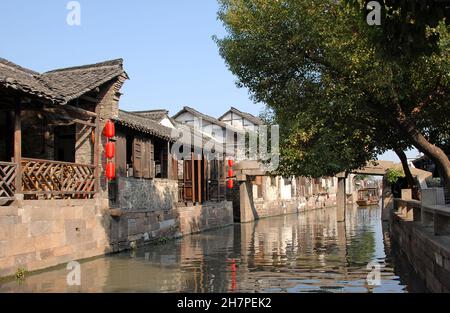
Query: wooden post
[[18, 145], [194, 196], [97, 143], [200, 185]]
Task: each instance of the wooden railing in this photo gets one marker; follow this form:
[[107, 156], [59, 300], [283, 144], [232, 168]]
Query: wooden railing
[[7, 180], [51, 179]]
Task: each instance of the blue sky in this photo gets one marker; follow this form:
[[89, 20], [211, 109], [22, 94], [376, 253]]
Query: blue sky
[[166, 45]]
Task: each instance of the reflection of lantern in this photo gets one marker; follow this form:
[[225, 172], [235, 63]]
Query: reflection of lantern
[[230, 184], [110, 150], [230, 163], [230, 173], [110, 171], [109, 131]]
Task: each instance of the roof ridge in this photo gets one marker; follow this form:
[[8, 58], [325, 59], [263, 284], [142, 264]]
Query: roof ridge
[[17, 67], [81, 67], [146, 111]]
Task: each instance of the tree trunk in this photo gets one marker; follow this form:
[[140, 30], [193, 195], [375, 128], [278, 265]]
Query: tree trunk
[[409, 177], [423, 145]]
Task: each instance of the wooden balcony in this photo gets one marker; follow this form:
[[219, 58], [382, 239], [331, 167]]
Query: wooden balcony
[[7, 180], [57, 179], [43, 179]]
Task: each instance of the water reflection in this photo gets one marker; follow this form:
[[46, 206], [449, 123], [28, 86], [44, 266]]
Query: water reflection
[[309, 252]]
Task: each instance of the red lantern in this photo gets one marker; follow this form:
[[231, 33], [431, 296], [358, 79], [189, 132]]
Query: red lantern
[[230, 163], [230, 184], [110, 150], [109, 131], [230, 173], [110, 171]]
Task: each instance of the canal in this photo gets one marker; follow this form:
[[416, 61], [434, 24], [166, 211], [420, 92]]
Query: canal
[[308, 252]]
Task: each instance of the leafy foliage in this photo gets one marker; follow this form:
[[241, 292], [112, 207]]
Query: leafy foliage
[[336, 92], [393, 175]]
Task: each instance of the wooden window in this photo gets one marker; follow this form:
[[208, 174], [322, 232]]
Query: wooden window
[[143, 158]]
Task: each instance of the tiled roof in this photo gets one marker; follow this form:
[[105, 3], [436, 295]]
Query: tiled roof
[[155, 115], [19, 78], [143, 124], [200, 115], [62, 85], [255, 120]]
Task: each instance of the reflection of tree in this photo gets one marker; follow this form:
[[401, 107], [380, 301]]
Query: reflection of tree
[[361, 248]]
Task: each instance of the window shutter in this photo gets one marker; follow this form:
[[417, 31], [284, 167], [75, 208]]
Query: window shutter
[[165, 162], [138, 151], [121, 155], [188, 180]]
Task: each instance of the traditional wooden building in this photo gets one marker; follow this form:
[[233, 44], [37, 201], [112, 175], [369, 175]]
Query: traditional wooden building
[[58, 204], [51, 124]]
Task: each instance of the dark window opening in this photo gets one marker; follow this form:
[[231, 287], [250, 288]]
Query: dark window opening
[[65, 140]]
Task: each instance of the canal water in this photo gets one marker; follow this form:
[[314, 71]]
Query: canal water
[[309, 252]]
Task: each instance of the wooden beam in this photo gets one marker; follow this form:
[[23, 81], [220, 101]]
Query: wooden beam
[[80, 110], [89, 99], [97, 143], [75, 120], [18, 144]]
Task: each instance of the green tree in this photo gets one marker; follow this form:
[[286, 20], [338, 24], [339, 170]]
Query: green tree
[[339, 95]]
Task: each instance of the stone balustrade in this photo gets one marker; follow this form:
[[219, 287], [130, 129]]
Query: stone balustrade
[[431, 212]]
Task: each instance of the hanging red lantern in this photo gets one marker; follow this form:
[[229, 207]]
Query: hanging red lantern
[[109, 131], [230, 184], [110, 150], [110, 171], [230, 173], [230, 163]]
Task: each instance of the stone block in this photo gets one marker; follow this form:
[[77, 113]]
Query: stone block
[[74, 229], [433, 196], [406, 194], [9, 211], [22, 260], [10, 220], [38, 228], [45, 254]]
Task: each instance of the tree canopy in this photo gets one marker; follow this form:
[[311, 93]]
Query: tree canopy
[[342, 91]]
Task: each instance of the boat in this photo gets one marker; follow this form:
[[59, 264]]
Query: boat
[[368, 197]]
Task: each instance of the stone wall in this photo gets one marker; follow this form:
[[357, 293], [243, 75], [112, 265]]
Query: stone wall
[[37, 234], [277, 199], [195, 219], [137, 228], [147, 212], [144, 194], [428, 254]]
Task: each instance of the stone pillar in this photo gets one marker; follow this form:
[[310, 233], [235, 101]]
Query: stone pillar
[[341, 202], [387, 201], [246, 210]]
